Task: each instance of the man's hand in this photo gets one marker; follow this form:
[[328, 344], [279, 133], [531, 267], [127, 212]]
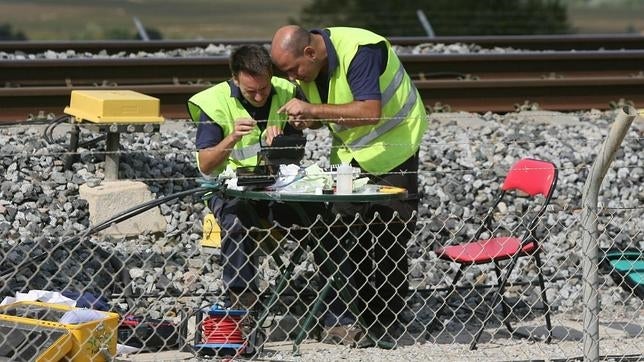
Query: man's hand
[[299, 113], [270, 133], [243, 126], [296, 109], [300, 123]]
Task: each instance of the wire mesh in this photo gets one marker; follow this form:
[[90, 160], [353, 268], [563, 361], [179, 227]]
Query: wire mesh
[[163, 286]]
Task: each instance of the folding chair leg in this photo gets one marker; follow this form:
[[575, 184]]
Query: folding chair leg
[[495, 301], [451, 289], [544, 299], [504, 304]]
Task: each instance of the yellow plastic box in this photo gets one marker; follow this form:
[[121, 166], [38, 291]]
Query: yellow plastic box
[[114, 106], [93, 341], [30, 340]]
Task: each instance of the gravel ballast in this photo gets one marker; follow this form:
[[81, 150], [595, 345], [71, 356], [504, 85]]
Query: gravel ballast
[[463, 160], [225, 49]]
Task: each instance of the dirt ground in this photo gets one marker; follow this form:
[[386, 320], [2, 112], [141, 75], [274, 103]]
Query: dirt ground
[[621, 339]]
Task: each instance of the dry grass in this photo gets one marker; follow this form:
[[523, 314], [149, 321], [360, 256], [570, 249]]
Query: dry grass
[[219, 19], [608, 19], [186, 19]]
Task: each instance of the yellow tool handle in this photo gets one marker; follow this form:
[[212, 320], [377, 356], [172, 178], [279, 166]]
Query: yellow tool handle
[[391, 190]]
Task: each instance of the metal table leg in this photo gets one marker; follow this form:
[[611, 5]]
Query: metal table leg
[[112, 156], [70, 158], [338, 281]]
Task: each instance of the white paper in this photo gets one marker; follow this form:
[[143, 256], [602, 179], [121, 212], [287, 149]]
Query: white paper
[[76, 316], [44, 296]]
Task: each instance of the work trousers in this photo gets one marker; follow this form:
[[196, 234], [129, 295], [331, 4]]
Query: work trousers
[[374, 260], [238, 247]]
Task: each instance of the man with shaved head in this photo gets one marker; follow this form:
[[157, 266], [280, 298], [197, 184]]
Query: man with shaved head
[[356, 85]]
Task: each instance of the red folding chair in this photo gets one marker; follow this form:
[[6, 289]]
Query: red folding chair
[[532, 177]]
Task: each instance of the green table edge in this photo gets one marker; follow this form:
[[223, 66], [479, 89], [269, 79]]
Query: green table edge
[[308, 197]]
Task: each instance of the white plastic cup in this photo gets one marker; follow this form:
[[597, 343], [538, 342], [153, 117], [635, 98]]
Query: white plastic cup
[[344, 180]]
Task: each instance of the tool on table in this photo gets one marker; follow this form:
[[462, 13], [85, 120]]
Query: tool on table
[[390, 190], [285, 149]]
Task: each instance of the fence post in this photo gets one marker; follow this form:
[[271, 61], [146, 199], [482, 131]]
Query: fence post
[[140, 29], [425, 23], [589, 216]]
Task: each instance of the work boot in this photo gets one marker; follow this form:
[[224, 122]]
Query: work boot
[[383, 337], [254, 336], [347, 335]]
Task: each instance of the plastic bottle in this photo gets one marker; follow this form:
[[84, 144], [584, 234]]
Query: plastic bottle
[[344, 180]]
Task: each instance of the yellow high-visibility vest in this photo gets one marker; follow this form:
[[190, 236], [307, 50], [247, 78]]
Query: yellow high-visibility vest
[[396, 137]]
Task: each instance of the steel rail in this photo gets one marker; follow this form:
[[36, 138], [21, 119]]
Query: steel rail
[[528, 42], [507, 95], [204, 70], [527, 64], [495, 95]]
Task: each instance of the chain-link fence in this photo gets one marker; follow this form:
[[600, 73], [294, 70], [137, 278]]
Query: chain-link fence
[[325, 278]]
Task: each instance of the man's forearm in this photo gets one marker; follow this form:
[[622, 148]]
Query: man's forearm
[[212, 157], [354, 114]]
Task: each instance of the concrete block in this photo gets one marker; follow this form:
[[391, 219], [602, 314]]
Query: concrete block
[[113, 197], [462, 119], [548, 117]]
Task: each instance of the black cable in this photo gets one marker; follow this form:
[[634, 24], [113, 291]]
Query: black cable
[[93, 141], [124, 215], [48, 133]]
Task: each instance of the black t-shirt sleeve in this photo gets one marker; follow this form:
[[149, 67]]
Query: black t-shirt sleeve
[[365, 70], [209, 133]]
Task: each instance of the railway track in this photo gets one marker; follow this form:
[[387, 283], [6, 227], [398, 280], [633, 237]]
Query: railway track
[[495, 95], [477, 82], [528, 42], [191, 70]]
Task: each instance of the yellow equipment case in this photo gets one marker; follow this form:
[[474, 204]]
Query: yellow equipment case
[[30, 331], [114, 106]]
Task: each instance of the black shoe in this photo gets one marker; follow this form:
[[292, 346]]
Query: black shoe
[[385, 337], [347, 335], [406, 316]]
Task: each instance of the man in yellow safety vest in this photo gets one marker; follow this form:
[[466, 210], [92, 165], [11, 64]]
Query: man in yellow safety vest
[[356, 85]]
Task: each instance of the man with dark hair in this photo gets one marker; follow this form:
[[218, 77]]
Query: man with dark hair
[[234, 118], [356, 86]]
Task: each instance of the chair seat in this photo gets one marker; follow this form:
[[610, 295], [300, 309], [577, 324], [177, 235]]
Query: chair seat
[[484, 251]]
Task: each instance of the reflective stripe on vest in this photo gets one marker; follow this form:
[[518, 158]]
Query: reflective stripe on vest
[[242, 153], [389, 125], [402, 121], [393, 85], [386, 97], [402, 114]]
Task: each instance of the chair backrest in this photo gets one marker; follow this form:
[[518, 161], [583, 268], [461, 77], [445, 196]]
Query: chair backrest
[[532, 176]]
